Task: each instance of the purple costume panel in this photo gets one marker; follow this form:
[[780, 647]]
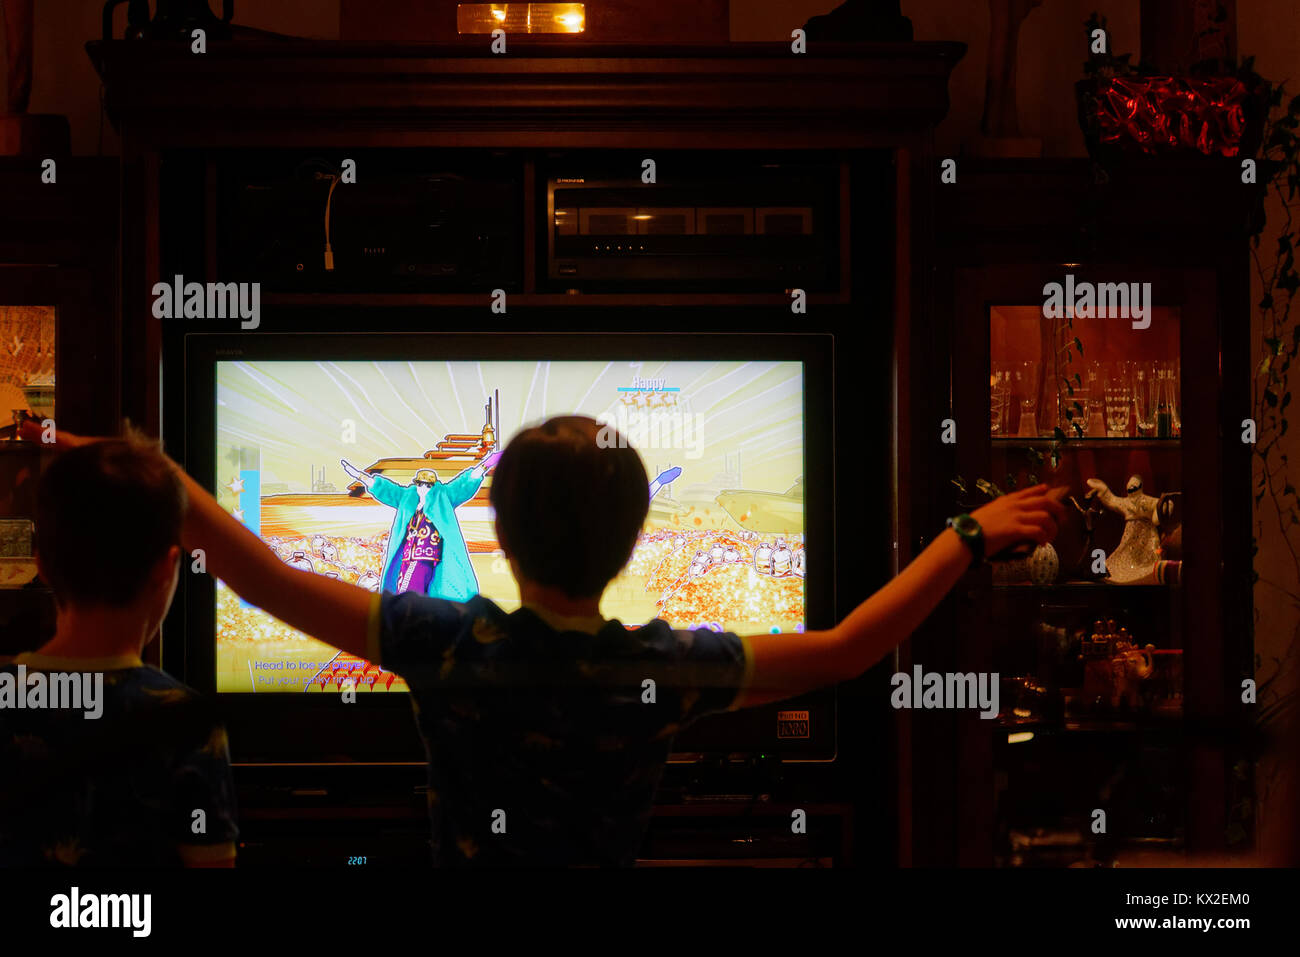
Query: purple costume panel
[[421, 552]]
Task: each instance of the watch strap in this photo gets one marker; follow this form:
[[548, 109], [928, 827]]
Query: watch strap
[[969, 531]]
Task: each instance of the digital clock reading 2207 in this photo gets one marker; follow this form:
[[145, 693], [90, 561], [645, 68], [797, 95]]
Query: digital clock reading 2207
[[792, 724]]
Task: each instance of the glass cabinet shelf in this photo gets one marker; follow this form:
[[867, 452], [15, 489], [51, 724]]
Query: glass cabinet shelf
[[1018, 732], [25, 448], [1092, 588], [1045, 442], [1099, 377]]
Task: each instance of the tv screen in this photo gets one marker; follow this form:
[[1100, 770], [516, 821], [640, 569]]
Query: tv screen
[[311, 453]]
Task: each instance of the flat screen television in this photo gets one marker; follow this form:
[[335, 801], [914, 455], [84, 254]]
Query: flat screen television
[[735, 433]]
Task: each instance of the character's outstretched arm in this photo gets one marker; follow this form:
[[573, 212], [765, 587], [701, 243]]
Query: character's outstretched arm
[[365, 478], [663, 478], [462, 488], [384, 490]]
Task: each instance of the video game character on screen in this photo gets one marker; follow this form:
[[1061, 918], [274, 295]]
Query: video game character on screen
[[426, 551]]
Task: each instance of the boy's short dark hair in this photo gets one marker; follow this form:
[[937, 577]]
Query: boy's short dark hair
[[570, 498], [106, 514]]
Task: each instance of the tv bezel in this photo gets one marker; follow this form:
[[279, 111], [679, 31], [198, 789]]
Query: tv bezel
[[302, 729]]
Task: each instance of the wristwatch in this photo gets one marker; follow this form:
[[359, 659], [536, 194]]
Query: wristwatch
[[969, 531]]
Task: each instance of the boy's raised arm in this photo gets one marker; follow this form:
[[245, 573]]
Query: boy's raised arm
[[788, 665], [325, 608]]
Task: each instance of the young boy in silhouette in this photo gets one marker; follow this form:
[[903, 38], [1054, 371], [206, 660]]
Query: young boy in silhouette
[[544, 745], [137, 772]]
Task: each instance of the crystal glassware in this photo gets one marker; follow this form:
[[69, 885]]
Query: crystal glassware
[[1119, 402], [995, 403], [1027, 394], [1143, 400], [1164, 402], [1096, 406], [1176, 398]]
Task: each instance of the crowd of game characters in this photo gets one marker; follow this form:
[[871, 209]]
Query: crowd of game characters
[[704, 578], [708, 578], [357, 561]]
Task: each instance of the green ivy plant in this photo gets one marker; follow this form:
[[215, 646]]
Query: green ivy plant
[[1104, 65], [1278, 178]]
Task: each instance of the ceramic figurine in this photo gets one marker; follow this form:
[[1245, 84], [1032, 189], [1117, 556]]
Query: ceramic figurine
[[1083, 565], [1132, 666], [1136, 556], [1169, 523]]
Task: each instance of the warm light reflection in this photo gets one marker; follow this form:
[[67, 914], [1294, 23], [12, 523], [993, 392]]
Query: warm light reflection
[[521, 17], [1020, 737]]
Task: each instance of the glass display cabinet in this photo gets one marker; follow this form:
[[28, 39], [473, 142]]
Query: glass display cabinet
[[27, 380], [53, 362], [1114, 646], [60, 344], [29, 323]]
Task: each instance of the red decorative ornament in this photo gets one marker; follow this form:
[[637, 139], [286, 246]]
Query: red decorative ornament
[[1162, 114]]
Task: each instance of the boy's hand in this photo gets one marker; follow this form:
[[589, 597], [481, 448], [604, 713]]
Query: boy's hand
[[31, 430], [1029, 515]]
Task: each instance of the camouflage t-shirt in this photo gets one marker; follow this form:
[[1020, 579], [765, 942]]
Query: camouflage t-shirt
[[547, 737], [145, 784]]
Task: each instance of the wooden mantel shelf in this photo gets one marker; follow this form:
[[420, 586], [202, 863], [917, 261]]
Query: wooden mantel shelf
[[542, 93]]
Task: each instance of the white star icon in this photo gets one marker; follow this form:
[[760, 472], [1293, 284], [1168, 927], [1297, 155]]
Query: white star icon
[[236, 486], [239, 514]]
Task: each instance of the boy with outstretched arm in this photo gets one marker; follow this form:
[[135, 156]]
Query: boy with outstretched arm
[[547, 729]]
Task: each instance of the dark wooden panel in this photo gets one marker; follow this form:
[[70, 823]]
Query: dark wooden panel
[[740, 95]]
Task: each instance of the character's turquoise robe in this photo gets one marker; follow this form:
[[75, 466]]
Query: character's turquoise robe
[[454, 578]]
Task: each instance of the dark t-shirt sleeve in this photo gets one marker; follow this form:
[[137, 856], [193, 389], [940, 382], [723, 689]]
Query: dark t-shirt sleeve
[[416, 634], [202, 782], [715, 667]]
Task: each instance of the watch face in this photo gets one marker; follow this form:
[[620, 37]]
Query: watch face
[[965, 525]]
